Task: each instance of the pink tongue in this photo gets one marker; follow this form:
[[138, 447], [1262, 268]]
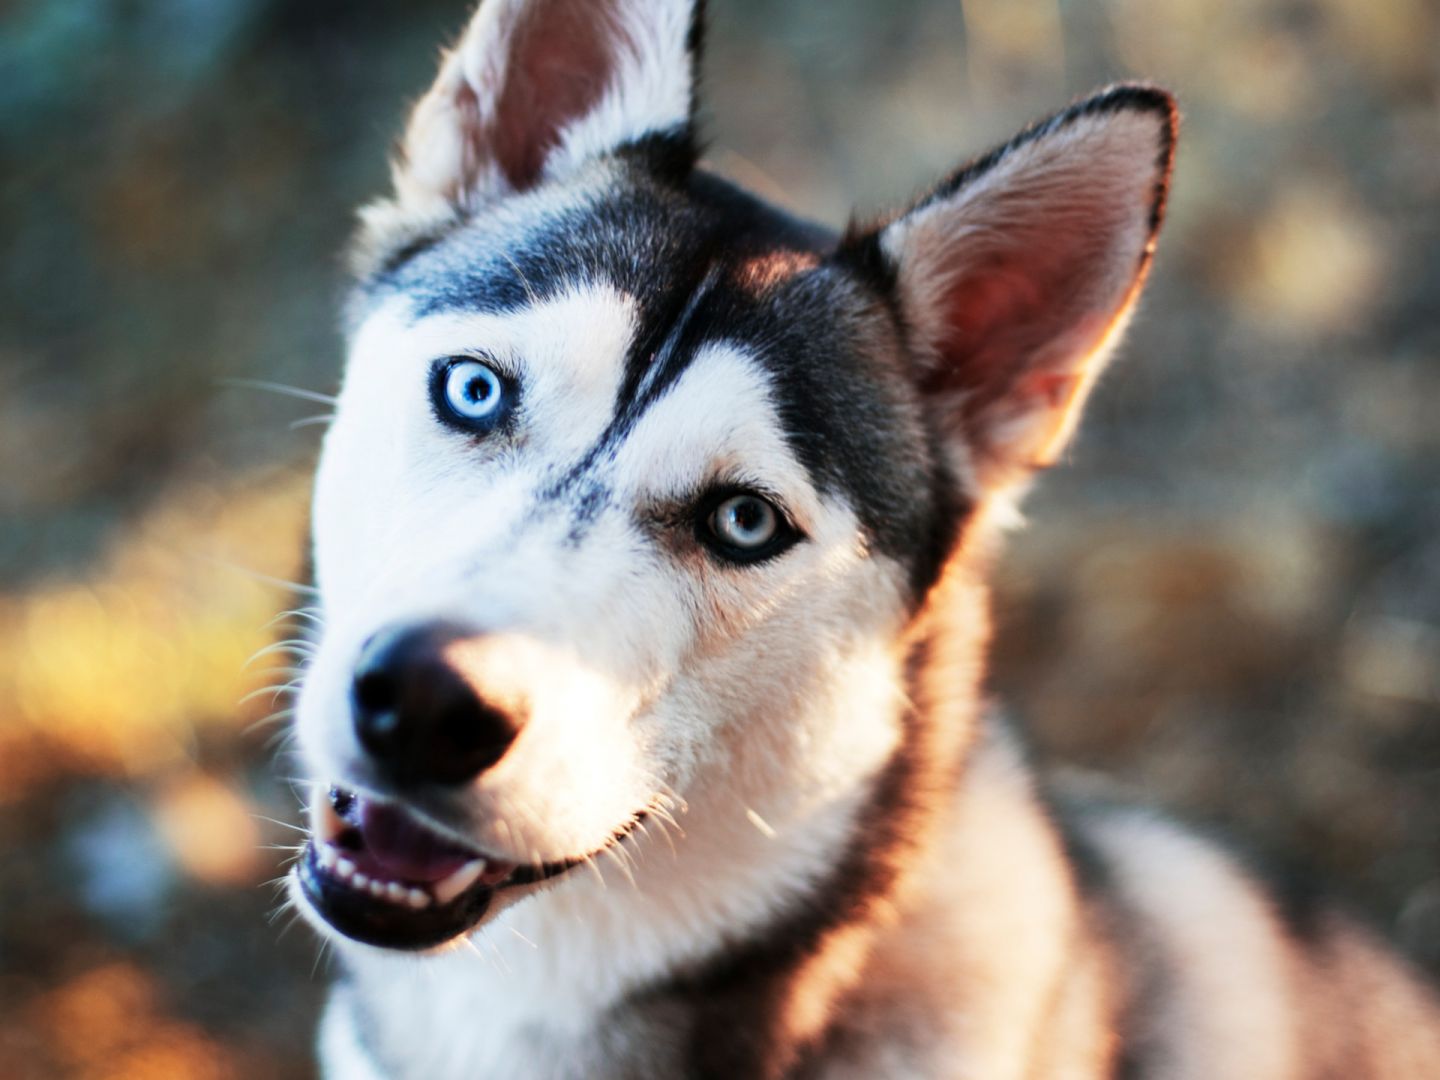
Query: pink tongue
[[406, 849]]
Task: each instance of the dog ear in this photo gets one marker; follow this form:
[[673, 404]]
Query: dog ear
[[534, 88], [1015, 277]]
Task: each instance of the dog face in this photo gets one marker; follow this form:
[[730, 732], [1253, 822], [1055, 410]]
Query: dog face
[[636, 482]]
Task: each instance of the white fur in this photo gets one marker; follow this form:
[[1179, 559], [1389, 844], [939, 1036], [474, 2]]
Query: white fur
[[1234, 1012], [681, 693], [649, 90]]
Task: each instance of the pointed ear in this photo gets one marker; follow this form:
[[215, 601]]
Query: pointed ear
[[1016, 276], [536, 87]]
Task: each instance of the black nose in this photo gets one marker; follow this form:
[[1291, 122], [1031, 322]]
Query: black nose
[[417, 716]]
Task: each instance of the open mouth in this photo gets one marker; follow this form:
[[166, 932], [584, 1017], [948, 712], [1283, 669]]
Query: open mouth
[[380, 876], [376, 874]]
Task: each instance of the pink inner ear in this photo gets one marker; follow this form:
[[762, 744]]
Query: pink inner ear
[[559, 67], [986, 314], [1005, 321]]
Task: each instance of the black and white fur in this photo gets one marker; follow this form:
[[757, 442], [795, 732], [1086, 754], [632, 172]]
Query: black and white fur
[[776, 833]]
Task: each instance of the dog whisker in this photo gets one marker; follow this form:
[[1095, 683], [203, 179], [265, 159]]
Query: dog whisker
[[286, 906], [309, 614], [501, 964], [323, 955], [594, 867], [283, 824], [613, 853], [522, 937], [273, 691], [282, 389], [300, 646], [291, 671], [530, 293], [283, 741], [256, 575], [276, 717]]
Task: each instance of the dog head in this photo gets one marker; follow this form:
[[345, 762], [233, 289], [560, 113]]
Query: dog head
[[636, 483]]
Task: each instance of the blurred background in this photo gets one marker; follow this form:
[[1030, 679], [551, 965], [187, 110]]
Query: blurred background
[[1229, 601]]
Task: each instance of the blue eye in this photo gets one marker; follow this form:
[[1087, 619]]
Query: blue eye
[[744, 527], [469, 392], [745, 522]]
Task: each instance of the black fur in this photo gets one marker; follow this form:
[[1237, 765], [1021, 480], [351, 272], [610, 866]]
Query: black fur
[[680, 252]]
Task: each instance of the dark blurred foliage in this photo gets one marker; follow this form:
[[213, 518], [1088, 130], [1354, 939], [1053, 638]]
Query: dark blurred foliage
[[1228, 601]]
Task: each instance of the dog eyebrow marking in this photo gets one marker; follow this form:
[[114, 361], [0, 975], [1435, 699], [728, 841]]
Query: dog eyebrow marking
[[654, 364], [659, 374]]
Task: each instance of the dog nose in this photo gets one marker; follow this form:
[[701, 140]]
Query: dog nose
[[415, 713]]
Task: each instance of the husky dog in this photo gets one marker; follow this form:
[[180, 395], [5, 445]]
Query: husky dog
[[646, 720]]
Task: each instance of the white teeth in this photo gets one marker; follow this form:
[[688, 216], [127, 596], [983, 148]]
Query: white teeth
[[341, 868], [392, 892], [458, 882]]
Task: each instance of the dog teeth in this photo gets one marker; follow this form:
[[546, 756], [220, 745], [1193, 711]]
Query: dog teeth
[[452, 886], [393, 892]]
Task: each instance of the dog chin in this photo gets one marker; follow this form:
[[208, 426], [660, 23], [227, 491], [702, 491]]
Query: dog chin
[[374, 873]]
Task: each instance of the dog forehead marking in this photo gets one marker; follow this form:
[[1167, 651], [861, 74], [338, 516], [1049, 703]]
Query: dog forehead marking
[[659, 353], [605, 417], [716, 423], [700, 265]]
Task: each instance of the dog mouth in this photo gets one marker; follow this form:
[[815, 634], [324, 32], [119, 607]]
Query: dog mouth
[[377, 874], [380, 876]]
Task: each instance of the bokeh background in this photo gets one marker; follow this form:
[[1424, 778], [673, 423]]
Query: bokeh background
[[1229, 600]]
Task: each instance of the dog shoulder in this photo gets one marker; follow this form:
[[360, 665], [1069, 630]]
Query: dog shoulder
[[1239, 968]]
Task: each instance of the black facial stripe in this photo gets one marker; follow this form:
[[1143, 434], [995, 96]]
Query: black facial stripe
[[587, 508], [658, 357], [705, 262], [651, 370]]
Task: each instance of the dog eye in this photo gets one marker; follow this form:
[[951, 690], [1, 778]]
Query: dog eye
[[468, 392], [746, 528]]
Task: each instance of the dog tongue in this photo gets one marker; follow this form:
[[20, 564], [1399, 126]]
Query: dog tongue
[[405, 848]]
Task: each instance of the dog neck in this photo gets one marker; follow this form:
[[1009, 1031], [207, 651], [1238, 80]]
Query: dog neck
[[760, 1009]]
